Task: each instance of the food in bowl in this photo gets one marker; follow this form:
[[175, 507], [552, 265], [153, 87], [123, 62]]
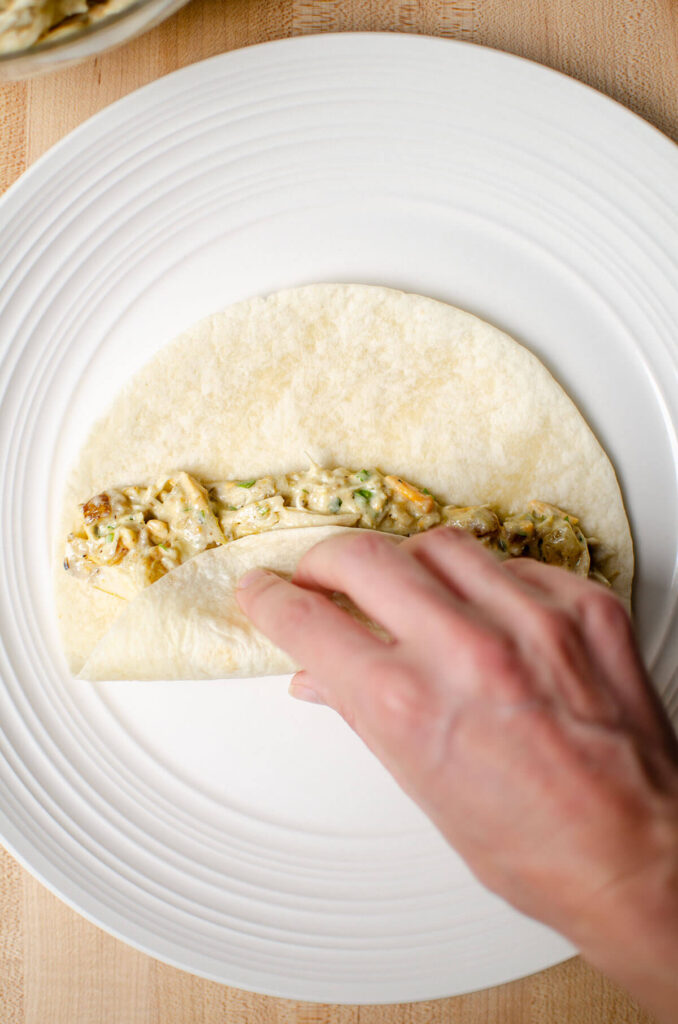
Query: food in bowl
[[23, 23]]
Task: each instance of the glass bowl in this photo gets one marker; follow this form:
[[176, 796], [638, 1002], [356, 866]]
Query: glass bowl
[[52, 54]]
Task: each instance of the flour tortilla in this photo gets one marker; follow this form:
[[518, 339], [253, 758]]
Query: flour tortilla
[[189, 625], [351, 375]]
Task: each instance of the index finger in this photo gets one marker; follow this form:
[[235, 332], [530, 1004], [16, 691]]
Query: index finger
[[319, 636]]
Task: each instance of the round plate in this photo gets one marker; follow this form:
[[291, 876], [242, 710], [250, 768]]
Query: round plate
[[221, 826]]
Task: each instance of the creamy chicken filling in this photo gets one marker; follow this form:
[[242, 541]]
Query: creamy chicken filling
[[127, 538]]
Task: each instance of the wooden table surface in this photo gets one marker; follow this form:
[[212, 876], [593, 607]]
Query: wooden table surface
[[56, 968]]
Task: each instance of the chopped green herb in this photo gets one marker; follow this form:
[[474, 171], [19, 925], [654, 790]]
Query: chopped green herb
[[263, 510], [187, 508], [202, 515], [246, 483], [364, 493], [335, 505], [232, 508], [567, 519], [364, 474], [520, 534], [164, 547], [425, 490], [110, 536], [304, 491]]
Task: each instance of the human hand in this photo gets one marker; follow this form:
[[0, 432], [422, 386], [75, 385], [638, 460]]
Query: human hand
[[513, 707]]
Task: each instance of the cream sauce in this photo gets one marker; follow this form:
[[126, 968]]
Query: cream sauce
[[127, 538]]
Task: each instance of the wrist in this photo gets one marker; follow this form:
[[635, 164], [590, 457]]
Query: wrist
[[631, 933]]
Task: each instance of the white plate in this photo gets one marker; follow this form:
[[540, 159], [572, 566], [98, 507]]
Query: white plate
[[221, 826]]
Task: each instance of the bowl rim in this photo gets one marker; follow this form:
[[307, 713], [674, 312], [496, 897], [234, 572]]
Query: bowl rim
[[50, 45]]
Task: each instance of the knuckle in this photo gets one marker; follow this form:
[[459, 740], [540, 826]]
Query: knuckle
[[605, 611], [295, 612], [367, 546], [502, 668], [498, 654], [445, 543], [555, 626], [352, 548], [398, 697], [438, 537], [448, 536], [518, 566]]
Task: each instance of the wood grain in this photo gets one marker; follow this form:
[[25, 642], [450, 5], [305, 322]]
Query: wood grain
[[12, 1007], [55, 967], [73, 973]]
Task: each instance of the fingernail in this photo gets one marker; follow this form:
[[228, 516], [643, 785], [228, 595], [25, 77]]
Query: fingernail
[[306, 693], [254, 576]]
